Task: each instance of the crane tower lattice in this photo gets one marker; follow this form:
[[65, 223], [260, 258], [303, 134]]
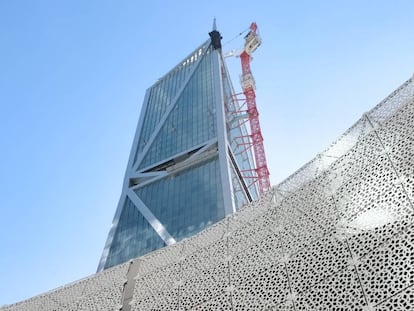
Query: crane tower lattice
[[252, 42]]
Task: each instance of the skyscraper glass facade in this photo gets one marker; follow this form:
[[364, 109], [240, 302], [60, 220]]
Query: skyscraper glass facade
[[187, 168]]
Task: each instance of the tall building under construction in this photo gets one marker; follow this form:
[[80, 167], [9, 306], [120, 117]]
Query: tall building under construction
[[338, 234], [191, 163]]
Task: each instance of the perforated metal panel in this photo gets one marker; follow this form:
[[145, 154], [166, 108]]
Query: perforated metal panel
[[337, 235]]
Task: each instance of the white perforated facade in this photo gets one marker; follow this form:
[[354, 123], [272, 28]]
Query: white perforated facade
[[336, 235]]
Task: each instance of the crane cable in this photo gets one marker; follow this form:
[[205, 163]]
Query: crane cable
[[236, 36]]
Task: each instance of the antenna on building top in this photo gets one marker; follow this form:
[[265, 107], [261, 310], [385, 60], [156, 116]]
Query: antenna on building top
[[215, 36], [214, 24]]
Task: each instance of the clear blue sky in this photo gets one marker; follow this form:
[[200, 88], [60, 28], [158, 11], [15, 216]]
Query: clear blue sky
[[73, 76]]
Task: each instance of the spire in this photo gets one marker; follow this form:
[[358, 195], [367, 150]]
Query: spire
[[215, 36]]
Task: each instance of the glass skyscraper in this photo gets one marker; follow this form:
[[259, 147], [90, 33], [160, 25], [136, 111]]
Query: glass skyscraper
[[190, 163]]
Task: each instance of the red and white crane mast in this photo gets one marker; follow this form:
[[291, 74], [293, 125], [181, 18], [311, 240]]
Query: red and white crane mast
[[252, 42]]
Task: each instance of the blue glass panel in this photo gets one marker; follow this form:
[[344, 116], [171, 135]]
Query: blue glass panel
[[187, 202], [162, 94], [192, 121], [240, 198], [134, 237]]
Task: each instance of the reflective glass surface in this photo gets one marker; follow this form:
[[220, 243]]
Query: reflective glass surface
[[134, 237], [180, 116], [192, 121], [162, 94], [188, 201], [240, 198]]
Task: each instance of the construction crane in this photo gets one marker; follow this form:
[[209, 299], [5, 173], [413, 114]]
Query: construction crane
[[252, 42]]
